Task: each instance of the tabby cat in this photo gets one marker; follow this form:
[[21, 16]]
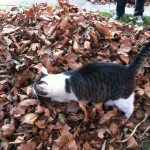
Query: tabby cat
[[105, 82]]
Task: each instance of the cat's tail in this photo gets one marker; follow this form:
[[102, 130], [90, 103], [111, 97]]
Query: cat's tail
[[139, 59]]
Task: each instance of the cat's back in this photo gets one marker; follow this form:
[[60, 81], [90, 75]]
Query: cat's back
[[101, 67], [100, 80]]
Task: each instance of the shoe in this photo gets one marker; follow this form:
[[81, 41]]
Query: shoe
[[116, 17], [139, 19]]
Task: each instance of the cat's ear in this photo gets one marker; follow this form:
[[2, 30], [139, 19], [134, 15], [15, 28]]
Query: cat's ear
[[43, 73]]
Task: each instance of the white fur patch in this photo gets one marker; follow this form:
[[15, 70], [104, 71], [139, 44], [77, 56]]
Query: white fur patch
[[44, 70], [125, 105], [56, 88]]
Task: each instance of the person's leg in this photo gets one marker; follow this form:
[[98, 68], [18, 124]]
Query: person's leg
[[120, 8], [139, 8]]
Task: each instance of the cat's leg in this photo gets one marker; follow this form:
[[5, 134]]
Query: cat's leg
[[109, 103], [126, 105]]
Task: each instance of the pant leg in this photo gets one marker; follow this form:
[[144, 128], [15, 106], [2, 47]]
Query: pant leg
[[120, 8], [139, 8]]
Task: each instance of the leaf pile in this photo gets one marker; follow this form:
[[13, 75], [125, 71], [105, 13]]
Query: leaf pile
[[62, 39]]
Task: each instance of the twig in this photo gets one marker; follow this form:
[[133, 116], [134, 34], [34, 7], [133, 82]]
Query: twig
[[145, 131], [125, 140]]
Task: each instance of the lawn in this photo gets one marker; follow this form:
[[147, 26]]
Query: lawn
[[129, 19]]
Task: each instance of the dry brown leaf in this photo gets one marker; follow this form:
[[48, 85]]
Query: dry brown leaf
[[1, 115], [87, 45], [76, 46], [9, 29], [147, 108], [87, 146], [63, 25], [7, 130], [125, 46], [18, 111], [72, 145], [100, 133], [29, 118], [72, 107], [107, 117], [18, 140], [41, 123], [28, 102], [83, 107], [29, 145], [72, 61], [125, 58], [130, 125], [4, 144], [113, 128], [131, 143], [94, 37]]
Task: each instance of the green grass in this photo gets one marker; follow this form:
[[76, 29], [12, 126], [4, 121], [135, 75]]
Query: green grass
[[145, 145], [127, 18]]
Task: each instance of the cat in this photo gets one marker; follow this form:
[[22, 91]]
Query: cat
[[110, 83]]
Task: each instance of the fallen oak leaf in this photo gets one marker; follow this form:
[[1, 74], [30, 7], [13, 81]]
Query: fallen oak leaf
[[29, 102], [83, 107], [103, 28], [29, 118], [1, 115], [50, 30], [4, 144], [94, 37], [76, 46], [18, 140], [9, 29], [72, 61], [72, 145], [87, 146], [29, 145], [17, 111], [125, 58], [107, 116], [131, 143], [87, 45], [125, 46], [72, 107], [7, 130], [147, 108], [113, 128], [63, 25], [41, 123], [100, 133]]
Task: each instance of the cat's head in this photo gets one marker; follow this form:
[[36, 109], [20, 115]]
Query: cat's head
[[43, 85]]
